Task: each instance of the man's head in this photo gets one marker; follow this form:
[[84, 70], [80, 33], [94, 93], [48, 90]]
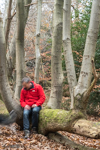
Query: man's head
[[26, 82]]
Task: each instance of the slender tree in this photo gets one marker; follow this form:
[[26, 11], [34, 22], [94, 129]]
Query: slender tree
[[37, 49], [22, 14], [68, 49], [84, 86], [8, 22], [56, 57], [81, 90], [11, 56], [5, 89]]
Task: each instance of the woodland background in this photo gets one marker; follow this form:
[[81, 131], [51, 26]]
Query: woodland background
[[80, 17], [79, 28]]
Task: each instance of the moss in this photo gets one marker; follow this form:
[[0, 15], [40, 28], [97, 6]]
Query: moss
[[95, 124], [59, 115], [58, 118], [52, 114]]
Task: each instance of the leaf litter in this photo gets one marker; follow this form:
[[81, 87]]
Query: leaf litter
[[11, 138]]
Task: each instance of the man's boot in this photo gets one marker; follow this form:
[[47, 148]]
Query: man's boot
[[34, 130], [27, 134]]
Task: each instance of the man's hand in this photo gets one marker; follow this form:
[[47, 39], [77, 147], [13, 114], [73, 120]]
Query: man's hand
[[27, 107], [34, 105]]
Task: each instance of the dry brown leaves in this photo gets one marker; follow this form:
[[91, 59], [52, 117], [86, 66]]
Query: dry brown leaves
[[94, 143], [13, 139]]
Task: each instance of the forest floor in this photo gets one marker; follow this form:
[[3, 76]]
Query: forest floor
[[11, 138]]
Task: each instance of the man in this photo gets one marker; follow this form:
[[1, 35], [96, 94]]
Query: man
[[31, 98]]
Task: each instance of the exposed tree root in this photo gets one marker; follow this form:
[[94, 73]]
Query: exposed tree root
[[64, 140]]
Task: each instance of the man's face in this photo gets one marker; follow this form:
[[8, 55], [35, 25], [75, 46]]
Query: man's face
[[26, 85]]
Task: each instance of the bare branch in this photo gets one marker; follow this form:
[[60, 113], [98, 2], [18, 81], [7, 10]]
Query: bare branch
[[93, 68], [36, 3], [96, 77], [13, 15], [73, 7]]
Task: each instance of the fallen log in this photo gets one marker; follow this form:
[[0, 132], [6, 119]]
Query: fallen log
[[53, 120]]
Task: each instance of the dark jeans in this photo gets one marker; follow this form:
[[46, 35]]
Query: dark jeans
[[35, 116]]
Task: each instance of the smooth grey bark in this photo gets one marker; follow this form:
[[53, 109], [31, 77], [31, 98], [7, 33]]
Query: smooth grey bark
[[22, 15], [11, 52], [84, 82], [11, 56], [5, 89], [37, 45], [20, 65], [8, 22], [56, 57], [71, 75]]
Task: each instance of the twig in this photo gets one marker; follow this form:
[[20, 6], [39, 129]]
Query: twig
[[93, 68], [36, 3], [30, 4], [13, 15], [73, 7]]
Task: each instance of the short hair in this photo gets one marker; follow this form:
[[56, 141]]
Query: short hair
[[26, 79]]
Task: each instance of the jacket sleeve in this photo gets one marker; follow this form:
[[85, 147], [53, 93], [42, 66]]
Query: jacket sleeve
[[22, 99], [41, 96]]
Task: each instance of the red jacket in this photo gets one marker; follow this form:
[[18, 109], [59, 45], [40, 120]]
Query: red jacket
[[35, 95]]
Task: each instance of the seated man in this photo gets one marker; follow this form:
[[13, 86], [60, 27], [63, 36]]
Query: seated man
[[31, 98]]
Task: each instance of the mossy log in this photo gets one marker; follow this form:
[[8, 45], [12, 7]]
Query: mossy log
[[53, 120]]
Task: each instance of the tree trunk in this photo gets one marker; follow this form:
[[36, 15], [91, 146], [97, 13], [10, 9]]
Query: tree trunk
[[5, 89], [71, 75], [37, 49], [11, 57], [53, 120], [8, 22], [22, 14], [11, 54], [56, 57], [81, 90]]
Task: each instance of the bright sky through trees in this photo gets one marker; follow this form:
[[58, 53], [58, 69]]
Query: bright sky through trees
[[2, 6]]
